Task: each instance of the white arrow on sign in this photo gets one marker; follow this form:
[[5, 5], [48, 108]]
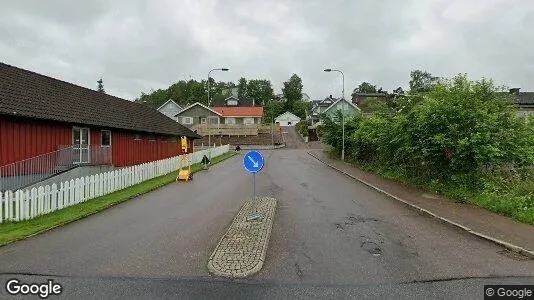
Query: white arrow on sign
[[254, 163]]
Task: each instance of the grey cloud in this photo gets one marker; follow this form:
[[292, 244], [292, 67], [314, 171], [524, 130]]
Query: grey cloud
[[141, 45]]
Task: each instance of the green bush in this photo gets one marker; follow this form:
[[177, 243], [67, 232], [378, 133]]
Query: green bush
[[463, 126], [459, 127], [302, 128], [455, 139]]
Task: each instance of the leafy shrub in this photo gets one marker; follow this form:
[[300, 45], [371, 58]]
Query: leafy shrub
[[463, 138], [459, 127], [302, 128]]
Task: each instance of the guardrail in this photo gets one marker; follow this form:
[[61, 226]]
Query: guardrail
[[237, 129], [25, 172], [226, 129]]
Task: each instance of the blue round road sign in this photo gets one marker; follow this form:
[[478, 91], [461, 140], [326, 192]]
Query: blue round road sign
[[253, 161]]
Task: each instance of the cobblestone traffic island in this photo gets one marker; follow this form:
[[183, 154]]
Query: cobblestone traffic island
[[241, 251]]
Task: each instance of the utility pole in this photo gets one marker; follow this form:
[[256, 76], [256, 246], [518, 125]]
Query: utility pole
[[272, 132]]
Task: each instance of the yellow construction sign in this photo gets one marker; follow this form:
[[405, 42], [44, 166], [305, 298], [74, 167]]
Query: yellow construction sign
[[184, 167], [184, 144]]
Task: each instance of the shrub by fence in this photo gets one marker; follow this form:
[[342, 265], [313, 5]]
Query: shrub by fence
[[28, 204]]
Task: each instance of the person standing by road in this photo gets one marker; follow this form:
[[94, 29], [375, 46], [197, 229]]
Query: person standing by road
[[205, 162]]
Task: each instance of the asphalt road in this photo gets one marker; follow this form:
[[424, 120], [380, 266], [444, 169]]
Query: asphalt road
[[331, 234], [292, 138]]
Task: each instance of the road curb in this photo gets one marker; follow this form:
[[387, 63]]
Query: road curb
[[241, 251], [500, 242]]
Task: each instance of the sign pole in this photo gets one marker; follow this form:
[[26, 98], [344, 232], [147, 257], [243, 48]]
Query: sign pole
[[254, 192], [253, 162], [253, 215]]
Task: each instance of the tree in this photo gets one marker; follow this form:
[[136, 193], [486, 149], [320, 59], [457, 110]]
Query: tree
[[301, 109], [242, 88], [155, 98], [292, 91], [100, 86], [374, 104], [421, 81], [260, 90], [458, 128], [197, 92], [365, 87], [398, 91], [272, 110]]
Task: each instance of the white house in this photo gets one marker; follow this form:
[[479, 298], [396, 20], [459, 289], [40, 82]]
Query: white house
[[287, 119], [170, 109]]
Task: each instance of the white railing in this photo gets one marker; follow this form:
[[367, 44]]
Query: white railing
[[27, 204]]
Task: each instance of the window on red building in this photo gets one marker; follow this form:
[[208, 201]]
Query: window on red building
[[105, 138]]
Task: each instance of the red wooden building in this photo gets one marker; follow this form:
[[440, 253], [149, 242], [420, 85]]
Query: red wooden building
[[40, 115]]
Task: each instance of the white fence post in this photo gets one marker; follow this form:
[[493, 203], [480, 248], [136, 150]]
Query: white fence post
[[48, 206], [72, 190], [9, 205], [17, 206], [86, 188], [34, 203], [27, 200], [80, 189], [1, 207], [40, 200], [54, 197], [28, 204]]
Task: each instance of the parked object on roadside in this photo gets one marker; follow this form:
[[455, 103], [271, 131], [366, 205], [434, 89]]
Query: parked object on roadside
[[237, 148], [205, 161]]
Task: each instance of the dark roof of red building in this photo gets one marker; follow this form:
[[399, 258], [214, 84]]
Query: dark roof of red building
[[28, 94]]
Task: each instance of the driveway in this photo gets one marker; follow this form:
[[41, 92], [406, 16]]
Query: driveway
[[292, 138]]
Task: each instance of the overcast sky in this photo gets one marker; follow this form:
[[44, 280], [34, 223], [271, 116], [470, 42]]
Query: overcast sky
[[139, 45]]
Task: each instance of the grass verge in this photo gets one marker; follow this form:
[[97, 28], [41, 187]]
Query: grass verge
[[14, 231], [511, 197]]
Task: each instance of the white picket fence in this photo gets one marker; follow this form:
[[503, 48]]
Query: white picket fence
[[27, 204]]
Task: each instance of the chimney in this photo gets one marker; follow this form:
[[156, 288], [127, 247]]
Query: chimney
[[515, 91]]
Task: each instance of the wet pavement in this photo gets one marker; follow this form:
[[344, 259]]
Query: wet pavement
[[328, 230]]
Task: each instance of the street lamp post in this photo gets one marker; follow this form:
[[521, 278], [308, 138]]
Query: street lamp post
[[272, 131], [342, 113], [209, 104]]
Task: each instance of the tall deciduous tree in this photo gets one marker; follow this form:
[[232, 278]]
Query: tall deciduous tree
[[242, 88], [272, 110], [260, 90], [421, 81], [292, 91], [365, 87], [301, 108]]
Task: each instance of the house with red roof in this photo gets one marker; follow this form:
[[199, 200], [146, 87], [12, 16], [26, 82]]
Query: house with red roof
[[240, 114], [198, 113]]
